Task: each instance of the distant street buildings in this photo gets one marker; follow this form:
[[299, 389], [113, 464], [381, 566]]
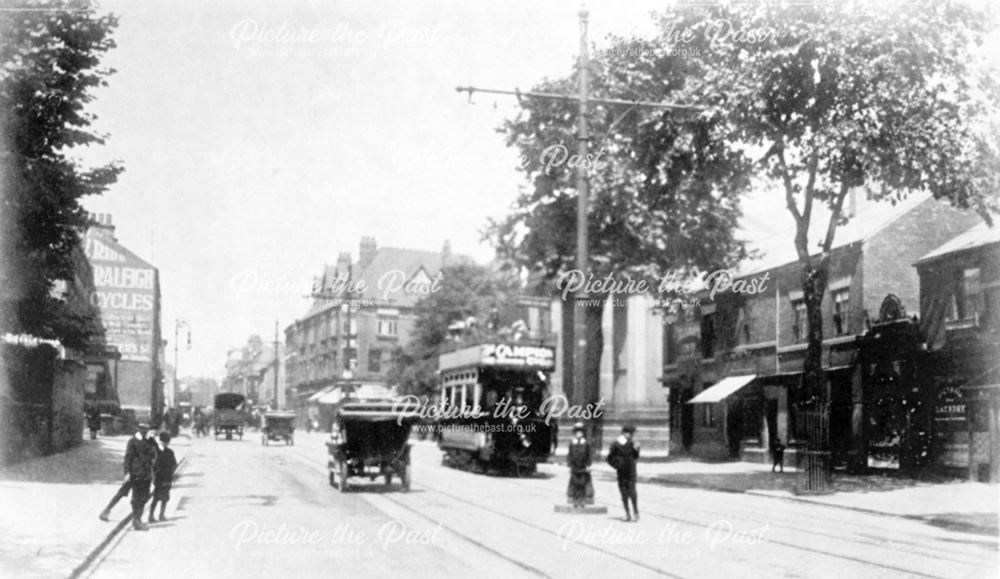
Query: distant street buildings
[[257, 370]]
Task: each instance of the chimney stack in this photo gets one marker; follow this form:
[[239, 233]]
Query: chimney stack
[[366, 251], [446, 253], [100, 221]]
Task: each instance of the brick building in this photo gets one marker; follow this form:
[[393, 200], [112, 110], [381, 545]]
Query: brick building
[[361, 312], [960, 319], [733, 365], [127, 292]]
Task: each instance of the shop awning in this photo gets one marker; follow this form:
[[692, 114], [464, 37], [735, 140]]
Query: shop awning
[[330, 396], [315, 397], [335, 394], [722, 389]]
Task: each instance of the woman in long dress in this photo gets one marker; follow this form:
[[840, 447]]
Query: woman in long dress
[[580, 488]]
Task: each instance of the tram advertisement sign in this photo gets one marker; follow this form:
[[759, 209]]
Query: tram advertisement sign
[[125, 292], [512, 355]]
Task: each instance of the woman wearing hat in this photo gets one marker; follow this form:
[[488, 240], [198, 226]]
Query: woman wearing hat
[[580, 488]]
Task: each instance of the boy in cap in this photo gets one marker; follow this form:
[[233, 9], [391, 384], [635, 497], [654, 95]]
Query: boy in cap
[[579, 459], [163, 477], [622, 457], [140, 454]]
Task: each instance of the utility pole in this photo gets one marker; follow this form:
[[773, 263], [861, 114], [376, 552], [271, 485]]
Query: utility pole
[[579, 303], [178, 324], [580, 392], [348, 373], [277, 364]]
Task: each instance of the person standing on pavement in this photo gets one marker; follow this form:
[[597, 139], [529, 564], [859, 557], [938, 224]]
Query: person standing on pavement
[[622, 457], [579, 459], [163, 477], [778, 454], [94, 423]]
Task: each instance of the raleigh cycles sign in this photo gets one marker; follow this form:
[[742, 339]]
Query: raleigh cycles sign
[[125, 292]]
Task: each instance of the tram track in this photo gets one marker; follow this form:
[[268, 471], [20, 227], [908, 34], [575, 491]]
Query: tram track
[[785, 524], [894, 547], [529, 568]]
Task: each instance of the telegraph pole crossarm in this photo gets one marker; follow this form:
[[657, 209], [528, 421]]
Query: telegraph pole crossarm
[[573, 98]]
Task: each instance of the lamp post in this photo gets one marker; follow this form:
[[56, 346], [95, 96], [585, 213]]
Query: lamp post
[[178, 324]]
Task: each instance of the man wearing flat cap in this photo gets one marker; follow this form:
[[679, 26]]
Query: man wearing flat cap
[[140, 454], [622, 457]]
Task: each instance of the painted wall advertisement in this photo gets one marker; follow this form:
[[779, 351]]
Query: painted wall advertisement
[[125, 293]]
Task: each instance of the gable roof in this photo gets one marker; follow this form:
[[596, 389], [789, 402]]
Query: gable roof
[[385, 277], [979, 236], [103, 236], [771, 232]]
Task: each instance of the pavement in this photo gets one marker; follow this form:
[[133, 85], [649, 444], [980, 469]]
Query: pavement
[[49, 525], [951, 503], [254, 511], [49, 507]]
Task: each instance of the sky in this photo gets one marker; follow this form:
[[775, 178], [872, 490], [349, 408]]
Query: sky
[[261, 139]]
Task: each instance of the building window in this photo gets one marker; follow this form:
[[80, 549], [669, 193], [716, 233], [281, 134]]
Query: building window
[[799, 320], [375, 361], [354, 326], [968, 300], [707, 415], [708, 336], [842, 311], [388, 327]]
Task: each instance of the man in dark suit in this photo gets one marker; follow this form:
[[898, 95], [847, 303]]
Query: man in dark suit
[[622, 457], [140, 454]]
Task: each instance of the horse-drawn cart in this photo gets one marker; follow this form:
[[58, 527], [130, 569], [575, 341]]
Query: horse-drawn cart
[[230, 415], [370, 439]]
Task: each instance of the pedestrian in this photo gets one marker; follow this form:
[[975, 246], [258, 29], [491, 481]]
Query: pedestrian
[[94, 423], [163, 477], [581, 488], [622, 457], [778, 455], [140, 454]]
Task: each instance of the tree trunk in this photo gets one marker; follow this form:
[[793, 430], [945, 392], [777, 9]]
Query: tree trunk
[[814, 281], [813, 407]]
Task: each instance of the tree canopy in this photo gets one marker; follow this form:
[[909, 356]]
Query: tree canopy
[[483, 300], [50, 55], [824, 98]]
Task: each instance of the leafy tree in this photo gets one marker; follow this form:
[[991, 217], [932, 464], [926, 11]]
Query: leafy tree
[[49, 63], [824, 98], [664, 186], [468, 291]]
